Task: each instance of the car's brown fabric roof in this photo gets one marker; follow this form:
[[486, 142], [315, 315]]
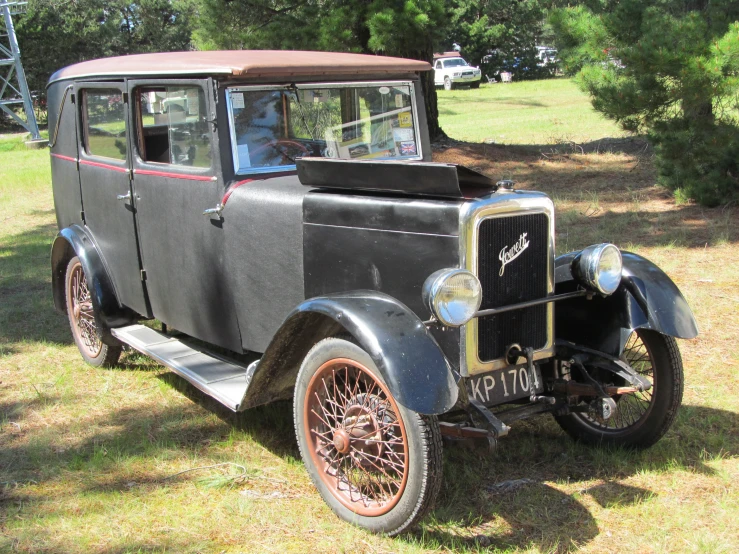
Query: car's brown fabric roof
[[253, 63]]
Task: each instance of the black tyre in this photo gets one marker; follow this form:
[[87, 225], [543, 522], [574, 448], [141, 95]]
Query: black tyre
[[642, 418], [475, 85], [448, 85], [375, 463], [82, 321]]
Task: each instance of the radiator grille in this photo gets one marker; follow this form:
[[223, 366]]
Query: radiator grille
[[524, 278]]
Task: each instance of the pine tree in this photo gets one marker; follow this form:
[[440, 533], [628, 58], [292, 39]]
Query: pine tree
[[669, 68]]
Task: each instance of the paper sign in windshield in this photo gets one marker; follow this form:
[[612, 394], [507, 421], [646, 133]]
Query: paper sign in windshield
[[401, 135], [237, 100]]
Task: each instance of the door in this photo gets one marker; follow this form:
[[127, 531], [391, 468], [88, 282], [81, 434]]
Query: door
[[107, 203], [438, 73], [176, 176]]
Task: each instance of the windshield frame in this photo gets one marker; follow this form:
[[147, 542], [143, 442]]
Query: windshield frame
[[315, 85]]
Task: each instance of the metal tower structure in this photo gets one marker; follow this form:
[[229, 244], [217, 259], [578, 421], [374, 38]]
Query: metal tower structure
[[11, 69]]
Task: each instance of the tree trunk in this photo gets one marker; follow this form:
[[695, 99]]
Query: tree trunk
[[700, 112], [429, 93], [432, 108]]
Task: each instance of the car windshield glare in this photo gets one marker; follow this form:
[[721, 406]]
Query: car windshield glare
[[273, 126], [455, 62]]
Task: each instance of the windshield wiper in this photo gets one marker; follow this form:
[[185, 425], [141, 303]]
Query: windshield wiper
[[294, 90]]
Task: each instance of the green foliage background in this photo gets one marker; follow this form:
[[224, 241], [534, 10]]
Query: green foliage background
[[669, 68], [57, 33]]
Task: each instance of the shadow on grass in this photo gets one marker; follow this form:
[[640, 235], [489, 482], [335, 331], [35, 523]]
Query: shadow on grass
[[471, 512], [537, 515], [270, 425], [26, 305], [601, 197]]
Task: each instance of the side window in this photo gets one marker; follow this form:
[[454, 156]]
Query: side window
[[172, 126], [438, 65], [104, 123]]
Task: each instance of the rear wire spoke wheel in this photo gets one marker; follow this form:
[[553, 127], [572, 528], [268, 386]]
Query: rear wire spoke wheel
[[375, 463], [641, 418], [82, 321]]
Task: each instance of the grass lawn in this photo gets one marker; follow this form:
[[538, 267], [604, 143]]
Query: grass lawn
[[90, 459], [526, 112]]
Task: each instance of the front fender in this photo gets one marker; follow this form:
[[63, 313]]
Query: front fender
[[408, 357], [74, 241], [646, 298]]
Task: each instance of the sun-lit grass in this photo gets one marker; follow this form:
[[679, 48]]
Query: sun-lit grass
[[89, 457], [526, 112]]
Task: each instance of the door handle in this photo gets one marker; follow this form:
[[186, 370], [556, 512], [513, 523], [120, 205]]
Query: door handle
[[124, 197], [214, 211]]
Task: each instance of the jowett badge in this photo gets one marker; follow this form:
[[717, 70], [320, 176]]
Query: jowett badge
[[507, 255]]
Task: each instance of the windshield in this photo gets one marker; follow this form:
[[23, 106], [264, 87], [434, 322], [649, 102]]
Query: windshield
[[455, 62], [272, 127]]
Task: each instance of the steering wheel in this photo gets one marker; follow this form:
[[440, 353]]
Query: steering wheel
[[275, 143]]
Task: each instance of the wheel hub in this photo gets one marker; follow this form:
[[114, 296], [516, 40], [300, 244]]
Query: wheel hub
[[341, 441], [363, 429]]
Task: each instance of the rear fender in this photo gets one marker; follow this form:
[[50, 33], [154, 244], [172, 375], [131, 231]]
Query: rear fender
[[74, 241], [413, 366], [646, 298]]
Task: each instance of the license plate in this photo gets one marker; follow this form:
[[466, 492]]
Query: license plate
[[504, 385]]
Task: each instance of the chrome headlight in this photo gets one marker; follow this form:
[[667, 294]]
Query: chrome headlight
[[452, 295], [456, 74], [599, 267]]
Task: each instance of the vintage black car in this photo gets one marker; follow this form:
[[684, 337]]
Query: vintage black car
[[276, 222]]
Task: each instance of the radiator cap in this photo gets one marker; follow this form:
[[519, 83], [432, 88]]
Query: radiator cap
[[505, 184]]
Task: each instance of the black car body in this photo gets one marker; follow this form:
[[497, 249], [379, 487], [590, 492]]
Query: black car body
[[279, 214]]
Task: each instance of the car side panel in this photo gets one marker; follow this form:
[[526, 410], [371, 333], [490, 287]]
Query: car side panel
[[263, 225], [390, 245], [63, 146]]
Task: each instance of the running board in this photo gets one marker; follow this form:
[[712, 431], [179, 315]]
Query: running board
[[224, 380]]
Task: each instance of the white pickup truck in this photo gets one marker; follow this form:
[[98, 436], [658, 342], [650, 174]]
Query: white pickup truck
[[452, 71]]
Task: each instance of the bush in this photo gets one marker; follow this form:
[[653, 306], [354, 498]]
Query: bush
[[699, 162]]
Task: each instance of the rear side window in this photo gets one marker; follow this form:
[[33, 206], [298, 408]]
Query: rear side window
[[104, 123], [172, 126]]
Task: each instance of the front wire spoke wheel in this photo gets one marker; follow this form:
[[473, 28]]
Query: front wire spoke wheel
[[357, 440], [376, 463], [642, 418], [632, 408]]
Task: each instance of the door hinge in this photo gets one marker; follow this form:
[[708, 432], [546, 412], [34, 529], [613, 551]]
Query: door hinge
[[125, 98], [82, 216], [72, 97], [143, 275]]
